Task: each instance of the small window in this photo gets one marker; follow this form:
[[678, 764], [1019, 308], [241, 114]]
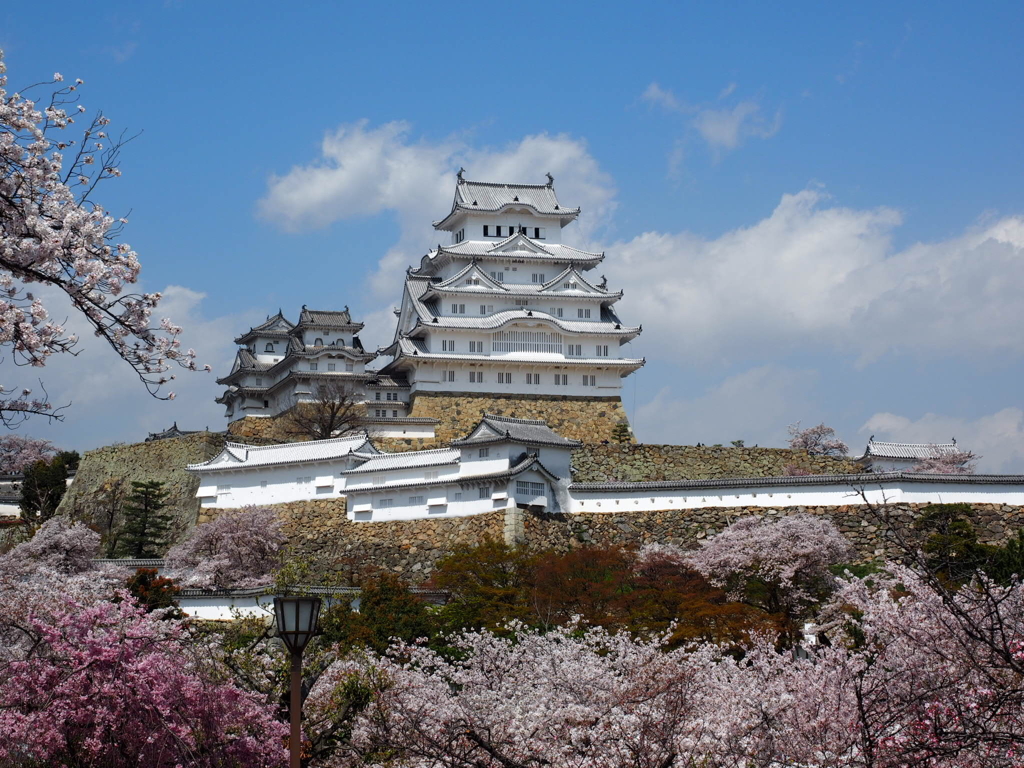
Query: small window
[[377, 396], [537, 277], [533, 378], [259, 382], [602, 350], [458, 309], [575, 350], [476, 377], [447, 345], [476, 346], [266, 403], [349, 366], [562, 379], [312, 366], [430, 474], [526, 488], [504, 378], [538, 233], [378, 413], [589, 380], [485, 492], [327, 333], [415, 501], [269, 348], [522, 302], [583, 313], [457, 496], [318, 342], [556, 311], [499, 276], [448, 376], [386, 503], [394, 414], [483, 453], [487, 231], [263, 483], [392, 395], [332, 366]]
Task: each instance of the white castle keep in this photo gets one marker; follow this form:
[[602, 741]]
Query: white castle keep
[[505, 309]]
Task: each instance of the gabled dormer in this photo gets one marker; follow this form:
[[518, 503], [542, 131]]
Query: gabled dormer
[[518, 243], [572, 283], [471, 277]]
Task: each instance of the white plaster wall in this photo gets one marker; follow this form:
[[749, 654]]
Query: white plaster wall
[[376, 479], [400, 430], [226, 608], [365, 506], [326, 482], [791, 496]]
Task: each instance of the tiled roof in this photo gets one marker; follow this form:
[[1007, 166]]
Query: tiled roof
[[483, 249], [327, 318], [494, 196], [277, 326], [509, 316], [866, 479], [908, 450], [386, 381], [407, 460], [237, 455], [552, 287], [494, 428]]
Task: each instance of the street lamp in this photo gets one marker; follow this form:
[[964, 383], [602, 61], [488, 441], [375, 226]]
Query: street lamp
[[296, 624]]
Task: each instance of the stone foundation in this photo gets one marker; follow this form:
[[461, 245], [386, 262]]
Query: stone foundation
[[590, 419], [319, 531], [635, 463]]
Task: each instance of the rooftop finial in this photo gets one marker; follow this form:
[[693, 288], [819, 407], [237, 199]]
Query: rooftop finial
[[459, 175], [551, 179]]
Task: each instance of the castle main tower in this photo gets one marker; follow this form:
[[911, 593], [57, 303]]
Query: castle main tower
[[506, 318]]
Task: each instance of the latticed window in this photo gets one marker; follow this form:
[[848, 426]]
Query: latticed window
[[526, 341], [526, 488]]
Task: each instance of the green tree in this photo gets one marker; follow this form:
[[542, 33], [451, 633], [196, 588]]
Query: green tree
[[146, 526], [42, 489], [387, 609], [621, 433], [951, 545]]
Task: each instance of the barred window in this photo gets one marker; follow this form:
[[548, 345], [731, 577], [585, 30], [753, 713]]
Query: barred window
[[526, 341]]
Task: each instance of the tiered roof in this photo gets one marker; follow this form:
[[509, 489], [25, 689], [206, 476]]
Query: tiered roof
[[493, 197], [517, 246], [497, 429], [275, 327], [240, 456], [320, 318]]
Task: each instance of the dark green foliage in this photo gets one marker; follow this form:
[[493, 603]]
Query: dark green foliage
[[951, 546], [70, 459], [42, 489], [487, 585], [146, 527], [387, 610], [154, 592], [621, 433]]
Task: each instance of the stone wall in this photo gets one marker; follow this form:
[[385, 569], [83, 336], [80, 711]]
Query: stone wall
[[589, 419], [161, 460], [633, 463], [319, 530]]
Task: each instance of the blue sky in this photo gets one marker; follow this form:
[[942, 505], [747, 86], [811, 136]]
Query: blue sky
[[816, 212]]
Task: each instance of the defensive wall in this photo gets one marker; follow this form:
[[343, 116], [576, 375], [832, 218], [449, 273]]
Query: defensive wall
[[100, 472], [320, 532]]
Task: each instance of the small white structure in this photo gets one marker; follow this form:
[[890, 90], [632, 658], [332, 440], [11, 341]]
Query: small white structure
[[508, 463], [891, 457]]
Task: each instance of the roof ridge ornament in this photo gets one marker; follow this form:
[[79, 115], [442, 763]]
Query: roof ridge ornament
[[459, 176], [551, 179]]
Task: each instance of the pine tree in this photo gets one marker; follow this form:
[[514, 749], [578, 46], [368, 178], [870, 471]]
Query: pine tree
[[621, 433], [145, 529], [42, 488]]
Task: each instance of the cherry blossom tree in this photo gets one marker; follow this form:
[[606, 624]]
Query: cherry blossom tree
[[55, 235], [947, 462], [817, 441], [111, 685], [18, 452], [780, 566], [238, 548], [59, 546]]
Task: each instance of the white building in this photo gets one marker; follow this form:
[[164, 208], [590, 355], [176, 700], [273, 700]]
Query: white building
[[892, 457], [503, 462], [506, 307], [281, 364], [507, 463]]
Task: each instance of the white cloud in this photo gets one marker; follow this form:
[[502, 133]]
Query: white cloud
[[108, 402], [727, 128], [722, 128], [364, 171], [998, 437], [815, 276], [755, 406]]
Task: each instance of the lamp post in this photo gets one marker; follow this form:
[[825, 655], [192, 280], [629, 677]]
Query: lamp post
[[296, 624]]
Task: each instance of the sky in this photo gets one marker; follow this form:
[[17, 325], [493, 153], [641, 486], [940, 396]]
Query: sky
[[815, 211]]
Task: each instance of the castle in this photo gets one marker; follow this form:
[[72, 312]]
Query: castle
[[501, 318]]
